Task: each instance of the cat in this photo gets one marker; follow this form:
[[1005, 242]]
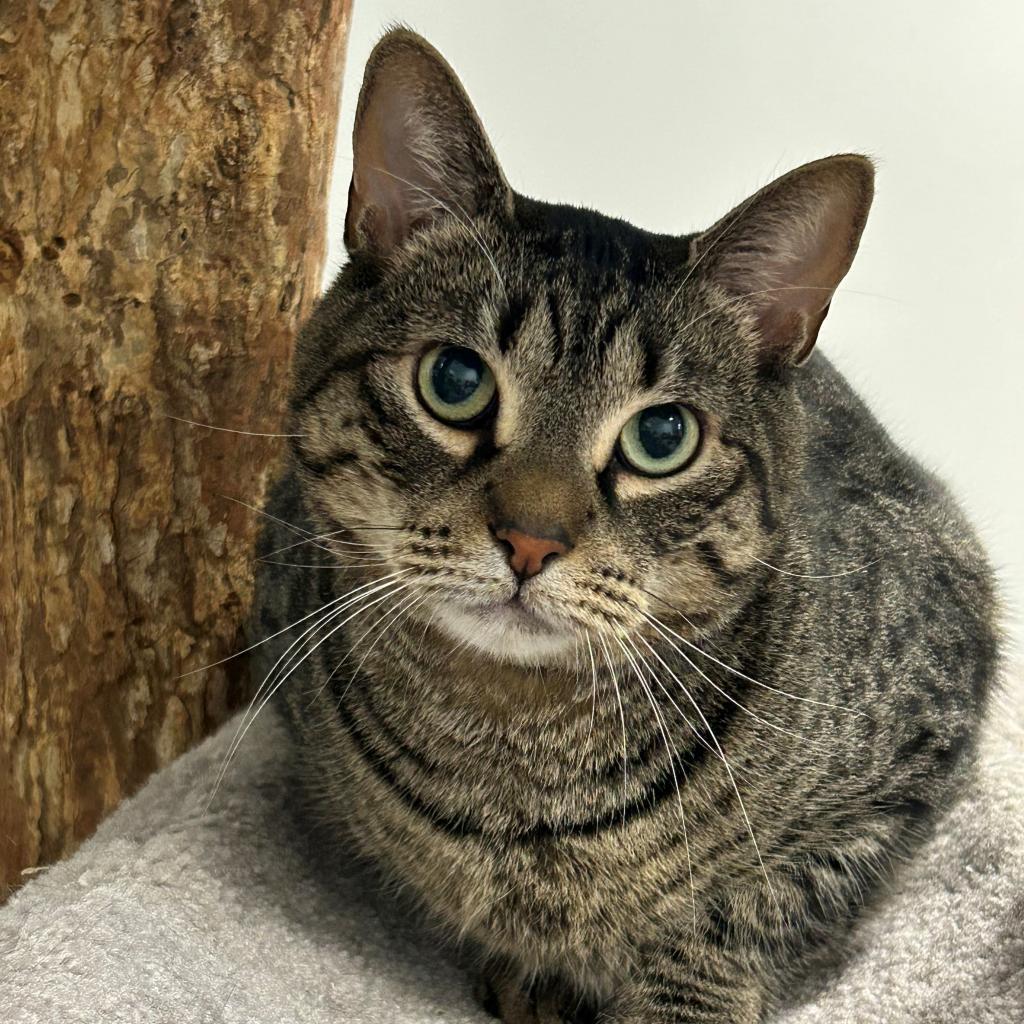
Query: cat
[[622, 635]]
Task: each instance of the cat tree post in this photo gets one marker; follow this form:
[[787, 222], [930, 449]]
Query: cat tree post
[[163, 181]]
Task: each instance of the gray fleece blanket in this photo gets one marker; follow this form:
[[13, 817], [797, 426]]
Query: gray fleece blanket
[[173, 913]]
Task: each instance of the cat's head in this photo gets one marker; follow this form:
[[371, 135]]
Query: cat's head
[[552, 424]]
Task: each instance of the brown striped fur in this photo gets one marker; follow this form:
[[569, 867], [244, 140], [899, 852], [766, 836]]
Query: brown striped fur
[[661, 803]]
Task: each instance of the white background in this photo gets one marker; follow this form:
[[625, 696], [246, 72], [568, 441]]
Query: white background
[[668, 113]]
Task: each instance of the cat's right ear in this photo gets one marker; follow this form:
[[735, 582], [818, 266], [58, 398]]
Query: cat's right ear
[[781, 255], [419, 150]]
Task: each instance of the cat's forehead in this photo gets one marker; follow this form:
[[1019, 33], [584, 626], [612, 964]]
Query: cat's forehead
[[576, 309], [566, 336], [588, 255], [579, 292], [589, 307], [595, 240]]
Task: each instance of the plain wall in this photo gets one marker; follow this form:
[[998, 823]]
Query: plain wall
[[668, 113]]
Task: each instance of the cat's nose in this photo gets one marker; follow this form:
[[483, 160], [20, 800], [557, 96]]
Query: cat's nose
[[527, 553]]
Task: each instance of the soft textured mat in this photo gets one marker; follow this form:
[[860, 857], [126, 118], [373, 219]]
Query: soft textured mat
[[173, 913]]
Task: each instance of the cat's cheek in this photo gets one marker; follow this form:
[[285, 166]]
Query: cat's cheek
[[633, 488]]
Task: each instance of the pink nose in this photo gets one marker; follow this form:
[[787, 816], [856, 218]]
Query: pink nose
[[528, 554]]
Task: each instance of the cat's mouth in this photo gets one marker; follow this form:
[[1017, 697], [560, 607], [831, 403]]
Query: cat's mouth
[[515, 612], [508, 630]]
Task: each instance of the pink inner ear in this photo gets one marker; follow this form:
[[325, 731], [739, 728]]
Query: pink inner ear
[[786, 251], [384, 179], [806, 277], [418, 148]]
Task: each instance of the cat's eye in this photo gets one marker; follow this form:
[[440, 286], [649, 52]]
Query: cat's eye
[[456, 385], [660, 440]]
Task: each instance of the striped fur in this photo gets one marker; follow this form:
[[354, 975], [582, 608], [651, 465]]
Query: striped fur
[[669, 817]]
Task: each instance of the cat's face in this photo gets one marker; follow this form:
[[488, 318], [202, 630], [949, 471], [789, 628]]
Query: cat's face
[[552, 425]]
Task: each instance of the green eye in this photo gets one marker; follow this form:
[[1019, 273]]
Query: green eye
[[660, 440], [456, 385]]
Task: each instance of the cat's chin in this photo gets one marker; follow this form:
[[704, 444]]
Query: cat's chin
[[507, 632]]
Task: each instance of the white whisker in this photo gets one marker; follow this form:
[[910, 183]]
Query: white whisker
[[395, 613], [332, 568], [593, 692], [299, 543], [673, 754], [622, 719], [283, 678], [721, 754], [259, 643], [750, 679], [337, 607], [282, 522], [826, 576], [225, 430], [728, 696]]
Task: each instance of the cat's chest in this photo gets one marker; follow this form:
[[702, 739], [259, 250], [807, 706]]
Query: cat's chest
[[483, 770], [574, 900], [520, 846]]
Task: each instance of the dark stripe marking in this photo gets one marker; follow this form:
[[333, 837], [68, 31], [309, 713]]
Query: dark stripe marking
[[711, 558], [510, 322], [760, 473], [345, 364], [322, 467], [556, 327], [651, 369], [611, 328], [663, 788]]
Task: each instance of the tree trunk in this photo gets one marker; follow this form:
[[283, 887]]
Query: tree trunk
[[163, 180]]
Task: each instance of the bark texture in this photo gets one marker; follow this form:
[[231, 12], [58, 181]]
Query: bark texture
[[163, 179]]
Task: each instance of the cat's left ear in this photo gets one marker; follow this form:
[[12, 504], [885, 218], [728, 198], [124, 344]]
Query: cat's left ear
[[783, 252], [419, 151]]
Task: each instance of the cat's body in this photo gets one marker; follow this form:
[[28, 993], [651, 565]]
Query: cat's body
[[773, 660]]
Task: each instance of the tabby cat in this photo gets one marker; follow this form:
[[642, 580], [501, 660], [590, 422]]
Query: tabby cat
[[623, 636]]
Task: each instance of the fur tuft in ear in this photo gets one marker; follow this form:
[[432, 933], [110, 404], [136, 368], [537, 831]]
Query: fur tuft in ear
[[419, 151], [784, 251]]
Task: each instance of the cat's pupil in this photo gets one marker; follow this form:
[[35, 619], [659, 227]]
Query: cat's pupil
[[456, 375], [660, 430]]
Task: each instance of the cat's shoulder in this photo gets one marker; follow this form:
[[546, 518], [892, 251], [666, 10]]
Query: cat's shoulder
[[855, 465]]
